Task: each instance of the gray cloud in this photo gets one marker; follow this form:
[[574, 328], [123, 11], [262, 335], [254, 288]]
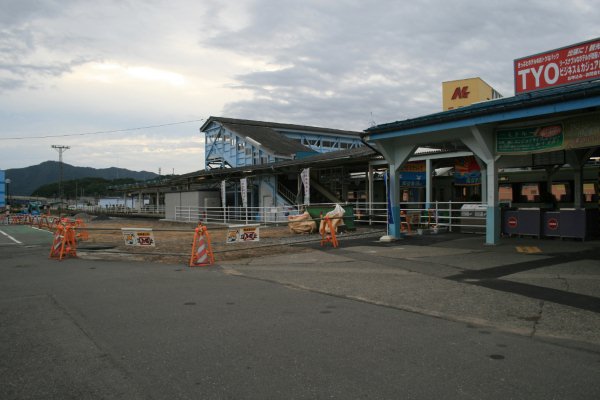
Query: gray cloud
[[338, 64], [344, 60]]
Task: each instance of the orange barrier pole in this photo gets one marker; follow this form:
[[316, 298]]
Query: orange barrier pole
[[64, 243], [202, 254], [82, 232], [331, 238]]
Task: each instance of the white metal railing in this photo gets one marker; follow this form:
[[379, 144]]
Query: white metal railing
[[453, 216], [450, 215], [243, 215], [371, 213], [120, 209], [464, 216]]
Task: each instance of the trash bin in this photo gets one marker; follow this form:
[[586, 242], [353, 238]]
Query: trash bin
[[530, 222], [510, 222], [316, 211], [552, 224], [578, 223], [474, 217]]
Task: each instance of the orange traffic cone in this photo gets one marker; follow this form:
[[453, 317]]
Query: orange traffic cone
[[202, 254]]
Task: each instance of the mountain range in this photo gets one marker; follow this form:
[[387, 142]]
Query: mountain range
[[25, 180]]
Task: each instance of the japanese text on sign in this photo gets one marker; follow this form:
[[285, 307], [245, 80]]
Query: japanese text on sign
[[533, 139], [138, 237], [576, 63], [243, 233]]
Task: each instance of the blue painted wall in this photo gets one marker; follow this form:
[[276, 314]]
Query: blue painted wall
[[2, 189]]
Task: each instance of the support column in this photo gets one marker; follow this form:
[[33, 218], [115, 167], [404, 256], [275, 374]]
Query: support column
[[481, 143], [483, 170], [428, 185], [577, 159], [493, 221], [396, 154], [578, 186], [370, 191], [394, 228]]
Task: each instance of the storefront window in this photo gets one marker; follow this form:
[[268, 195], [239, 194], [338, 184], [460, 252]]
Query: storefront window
[[560, 191], [589, 192], [505, 193], [530, 192]]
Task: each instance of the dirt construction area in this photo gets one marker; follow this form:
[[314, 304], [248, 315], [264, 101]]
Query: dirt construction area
[[173, 240]]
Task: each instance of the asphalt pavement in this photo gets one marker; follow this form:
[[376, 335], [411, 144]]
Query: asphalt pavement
[[549, 289], [427, 317]]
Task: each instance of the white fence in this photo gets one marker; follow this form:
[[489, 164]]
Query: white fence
[[120, 209], [466, 216], [248, 215], [453, 216]]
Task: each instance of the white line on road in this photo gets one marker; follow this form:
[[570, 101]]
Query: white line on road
[[10, 237]]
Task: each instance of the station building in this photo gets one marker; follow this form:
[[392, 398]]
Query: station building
[[552, 122], [538, 147]]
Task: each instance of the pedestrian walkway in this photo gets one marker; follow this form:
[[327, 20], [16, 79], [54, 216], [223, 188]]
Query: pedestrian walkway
[[550, 290]]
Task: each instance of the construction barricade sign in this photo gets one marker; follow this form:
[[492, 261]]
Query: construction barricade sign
[[138, 237], [243, 233]]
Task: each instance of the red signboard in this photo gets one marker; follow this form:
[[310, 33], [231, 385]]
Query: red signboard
[[567, 65], [553, 224], [513, 222]]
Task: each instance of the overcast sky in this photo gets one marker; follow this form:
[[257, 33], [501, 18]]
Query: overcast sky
[[71, 67]]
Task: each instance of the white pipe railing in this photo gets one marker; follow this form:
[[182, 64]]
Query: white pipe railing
[[119, 209], [450, 215], [466, 216]]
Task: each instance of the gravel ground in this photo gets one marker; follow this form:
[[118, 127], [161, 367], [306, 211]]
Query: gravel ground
[[173, 241]]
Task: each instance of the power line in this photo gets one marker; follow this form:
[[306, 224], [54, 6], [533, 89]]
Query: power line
[[102, 132]]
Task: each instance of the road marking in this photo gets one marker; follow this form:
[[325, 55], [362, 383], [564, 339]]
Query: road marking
[[41, 230], [10, 237], [528, 249]]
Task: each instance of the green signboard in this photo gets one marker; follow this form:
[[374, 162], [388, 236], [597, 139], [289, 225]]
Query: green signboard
[[582, 132], [529, 140]]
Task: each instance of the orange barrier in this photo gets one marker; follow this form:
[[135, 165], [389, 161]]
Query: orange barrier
[[64, 243], [47, 222], [82, 232], [202, 254], [328, 237]]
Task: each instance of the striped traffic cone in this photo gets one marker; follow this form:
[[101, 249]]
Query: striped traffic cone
[[57, 243], [202, 254]]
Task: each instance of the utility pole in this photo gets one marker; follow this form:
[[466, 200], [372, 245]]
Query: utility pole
[[60, 150]]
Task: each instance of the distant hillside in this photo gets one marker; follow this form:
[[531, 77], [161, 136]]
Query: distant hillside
[[25, 180]]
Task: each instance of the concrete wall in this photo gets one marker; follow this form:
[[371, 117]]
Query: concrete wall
[[195, 199]]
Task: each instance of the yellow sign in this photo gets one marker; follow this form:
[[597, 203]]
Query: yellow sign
[[138, 237], [464, 92], [243, 233]]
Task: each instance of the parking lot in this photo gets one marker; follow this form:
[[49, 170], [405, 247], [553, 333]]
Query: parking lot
[[427, 317]]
